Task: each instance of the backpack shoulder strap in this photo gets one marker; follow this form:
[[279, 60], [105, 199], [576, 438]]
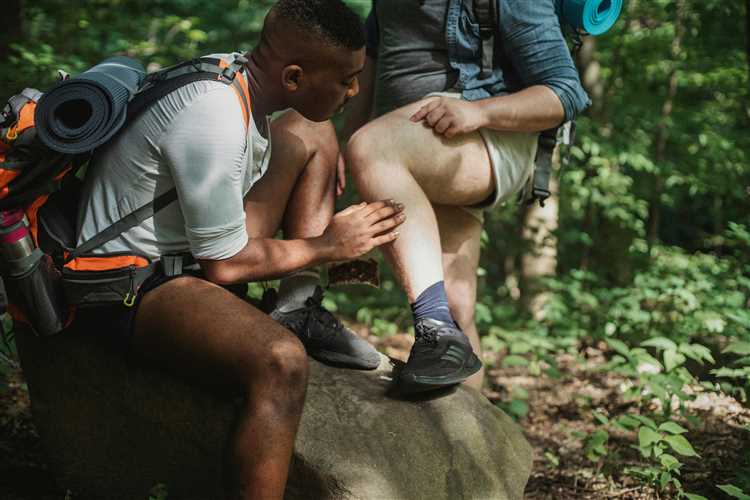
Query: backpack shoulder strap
[[485, 12], [159, 84], [128, 222]]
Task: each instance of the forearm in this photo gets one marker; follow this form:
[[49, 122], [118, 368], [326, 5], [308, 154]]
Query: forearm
[[533, 109], [266, 259]]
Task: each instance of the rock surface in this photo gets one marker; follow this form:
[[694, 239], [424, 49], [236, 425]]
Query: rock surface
[[114, 429]]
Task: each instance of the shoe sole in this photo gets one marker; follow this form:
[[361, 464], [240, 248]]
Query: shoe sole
[[342, 360], [411, 383]]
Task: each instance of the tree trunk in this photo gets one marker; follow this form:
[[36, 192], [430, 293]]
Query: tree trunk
[[591, 74], [540, 224], [662, 130], [10, 26]]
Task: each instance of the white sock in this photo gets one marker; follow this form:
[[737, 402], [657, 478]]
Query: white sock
[[294, 290]]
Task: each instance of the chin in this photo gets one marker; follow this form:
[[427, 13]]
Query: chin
[[313, 116]]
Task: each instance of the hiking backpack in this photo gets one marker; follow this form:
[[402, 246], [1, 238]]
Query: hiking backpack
[[44, 275]]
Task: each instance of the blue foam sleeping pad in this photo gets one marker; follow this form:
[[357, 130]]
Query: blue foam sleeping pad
[[593, 16], [85, 111]]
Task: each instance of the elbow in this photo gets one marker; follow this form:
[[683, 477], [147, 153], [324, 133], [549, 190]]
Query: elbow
[[573, 98], [220, 272]]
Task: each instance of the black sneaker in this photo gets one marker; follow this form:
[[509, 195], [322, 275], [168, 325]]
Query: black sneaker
[[441, 356], [322, 334]]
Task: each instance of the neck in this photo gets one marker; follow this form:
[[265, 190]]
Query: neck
[[263, 94]]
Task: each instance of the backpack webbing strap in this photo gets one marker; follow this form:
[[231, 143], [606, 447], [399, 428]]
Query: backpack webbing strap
[[166, 81], [484, 11], [128, 222], [543, 171]]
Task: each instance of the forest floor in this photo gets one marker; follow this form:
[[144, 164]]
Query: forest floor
[[558, 411]]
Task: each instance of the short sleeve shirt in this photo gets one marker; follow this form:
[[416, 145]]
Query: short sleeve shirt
[[195, 140]]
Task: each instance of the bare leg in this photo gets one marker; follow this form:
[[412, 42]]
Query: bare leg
[[299, 188], [392, 157], [298, 193], [200, 331], [460, 235]]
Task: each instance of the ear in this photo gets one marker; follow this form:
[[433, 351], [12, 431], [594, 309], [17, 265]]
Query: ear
[[291, 77]]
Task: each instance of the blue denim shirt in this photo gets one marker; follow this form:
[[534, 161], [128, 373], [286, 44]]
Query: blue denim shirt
[[529, 50]]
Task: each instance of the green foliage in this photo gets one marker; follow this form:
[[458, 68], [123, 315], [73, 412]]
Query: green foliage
[[159, 492]]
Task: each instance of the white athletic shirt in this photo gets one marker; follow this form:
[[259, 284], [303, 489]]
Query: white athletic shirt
[[193, 139]]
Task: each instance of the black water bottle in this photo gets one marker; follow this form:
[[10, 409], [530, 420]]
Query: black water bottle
[[32, 280]]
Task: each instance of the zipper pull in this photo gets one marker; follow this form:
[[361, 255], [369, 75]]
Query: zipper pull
[[129, 299]]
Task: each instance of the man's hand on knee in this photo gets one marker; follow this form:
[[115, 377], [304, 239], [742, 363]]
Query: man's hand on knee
[[450, 117]]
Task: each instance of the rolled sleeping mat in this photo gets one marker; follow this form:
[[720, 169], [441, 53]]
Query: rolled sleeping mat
[[593, 16], [83, 112]]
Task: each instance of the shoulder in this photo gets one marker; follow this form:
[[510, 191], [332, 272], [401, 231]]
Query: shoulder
[[208, 102]]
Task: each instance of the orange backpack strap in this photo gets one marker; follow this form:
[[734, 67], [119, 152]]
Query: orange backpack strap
[[234, 71], [157, 85]]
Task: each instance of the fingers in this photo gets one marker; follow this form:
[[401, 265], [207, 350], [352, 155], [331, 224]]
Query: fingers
[[425, 110], [389, 223], [443, 124], [352, 208], [436, 115], [382, 210], [386, 238]]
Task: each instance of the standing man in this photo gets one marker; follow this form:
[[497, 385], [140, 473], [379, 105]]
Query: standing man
[[452, 137], [228, 208]]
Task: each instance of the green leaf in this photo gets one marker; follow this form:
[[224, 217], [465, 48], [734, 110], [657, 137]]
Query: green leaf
[[553, 459], [693, 496], [733, 491], [673, 359], [514, 360], [647, 437], [645, 420], [662, 343], [619, 347], [737, 347], [668, 461], [601, 418], [519, 408], [595, 445], [672, 428], [703, 352], [681, 445], [627, 422], [664, 479]]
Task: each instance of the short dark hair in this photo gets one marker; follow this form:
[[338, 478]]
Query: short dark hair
[[332, 20]]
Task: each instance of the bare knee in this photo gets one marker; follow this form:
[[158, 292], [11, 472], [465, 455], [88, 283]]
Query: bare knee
[[319, 138], [360, 153], [280, 374], [287, 365]]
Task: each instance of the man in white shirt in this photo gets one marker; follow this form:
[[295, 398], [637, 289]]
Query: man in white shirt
[[227, 212]]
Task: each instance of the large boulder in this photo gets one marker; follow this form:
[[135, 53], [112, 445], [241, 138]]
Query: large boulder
[[114, 429]]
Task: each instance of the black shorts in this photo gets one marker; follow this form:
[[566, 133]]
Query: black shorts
[[116, 322]]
